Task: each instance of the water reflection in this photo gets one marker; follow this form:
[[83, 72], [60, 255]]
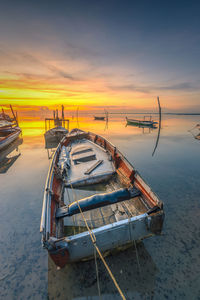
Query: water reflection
[[144, 129], [79, 280], [175, 167], [195, 131], [51, 142], [9, 155]]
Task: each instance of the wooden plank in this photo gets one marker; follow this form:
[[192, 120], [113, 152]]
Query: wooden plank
[[93, 167]]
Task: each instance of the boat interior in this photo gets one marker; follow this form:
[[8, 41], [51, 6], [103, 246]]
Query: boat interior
[[88, 170]]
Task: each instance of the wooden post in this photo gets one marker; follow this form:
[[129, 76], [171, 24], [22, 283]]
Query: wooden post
[[158, 128], [13, 114], [63, 116]]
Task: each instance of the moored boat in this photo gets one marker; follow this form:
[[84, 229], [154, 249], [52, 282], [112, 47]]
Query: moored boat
[[8, 135], [99, 118], [94, 195], [144, 123], [9, 155], [55, 134]]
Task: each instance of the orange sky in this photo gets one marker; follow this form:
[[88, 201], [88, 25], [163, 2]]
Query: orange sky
[[99, 54]]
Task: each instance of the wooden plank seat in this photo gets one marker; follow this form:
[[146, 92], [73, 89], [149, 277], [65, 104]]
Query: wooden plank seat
[[96, 201]]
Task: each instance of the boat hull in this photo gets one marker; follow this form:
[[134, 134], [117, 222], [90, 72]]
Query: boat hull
[[111, 237], [7, 140], [140, 123], [99, 118]]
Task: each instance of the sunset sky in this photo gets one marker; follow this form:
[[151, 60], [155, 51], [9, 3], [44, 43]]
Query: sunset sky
[[96, 54]]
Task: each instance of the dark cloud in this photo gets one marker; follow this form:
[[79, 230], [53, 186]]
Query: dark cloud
[[182, 86], [130, 88]]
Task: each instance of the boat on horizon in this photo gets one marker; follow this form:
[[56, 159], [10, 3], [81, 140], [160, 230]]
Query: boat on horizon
[[94, 195], [99, 118]]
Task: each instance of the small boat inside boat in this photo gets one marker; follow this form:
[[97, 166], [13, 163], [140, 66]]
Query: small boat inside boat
[[93, 191]]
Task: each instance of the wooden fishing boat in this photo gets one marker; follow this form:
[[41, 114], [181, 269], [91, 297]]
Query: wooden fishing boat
[[99, 118], [8, 135], [94, 195], [142, 123], [9, 155], [55, 134], [5, 117]]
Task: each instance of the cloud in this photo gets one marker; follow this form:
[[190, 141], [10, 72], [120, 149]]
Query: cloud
[[130, 88], [27, 61], [182, 86], [179, 86]]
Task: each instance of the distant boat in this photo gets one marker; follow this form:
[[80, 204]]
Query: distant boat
[[99, 118], [88, 174], [8, 135], [145, 123], [55, 134]]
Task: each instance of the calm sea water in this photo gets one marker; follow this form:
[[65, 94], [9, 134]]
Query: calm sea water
[[168, 264]]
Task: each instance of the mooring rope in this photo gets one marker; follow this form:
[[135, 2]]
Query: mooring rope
[[133, 240], [93, 238], [97, 272]]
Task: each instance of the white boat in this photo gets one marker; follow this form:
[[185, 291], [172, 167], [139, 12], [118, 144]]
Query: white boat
[[141, 123], [93, 193]]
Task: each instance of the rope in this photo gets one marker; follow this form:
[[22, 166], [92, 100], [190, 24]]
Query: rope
[[93, 238], [97, 272], [137, 257]]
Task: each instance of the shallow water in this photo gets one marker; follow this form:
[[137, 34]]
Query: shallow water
[[168, 264]]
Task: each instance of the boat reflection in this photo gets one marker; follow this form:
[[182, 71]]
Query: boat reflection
[[79, 280], [9, 155], [194, 131], [197, 137], [145, 129]]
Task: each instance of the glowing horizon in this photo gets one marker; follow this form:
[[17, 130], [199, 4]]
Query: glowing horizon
[[94, 58]]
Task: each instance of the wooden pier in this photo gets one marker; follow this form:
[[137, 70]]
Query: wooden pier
[[56, 120]]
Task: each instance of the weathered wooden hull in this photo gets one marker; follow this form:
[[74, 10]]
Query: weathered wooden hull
[[67, 249], [7, 140]]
